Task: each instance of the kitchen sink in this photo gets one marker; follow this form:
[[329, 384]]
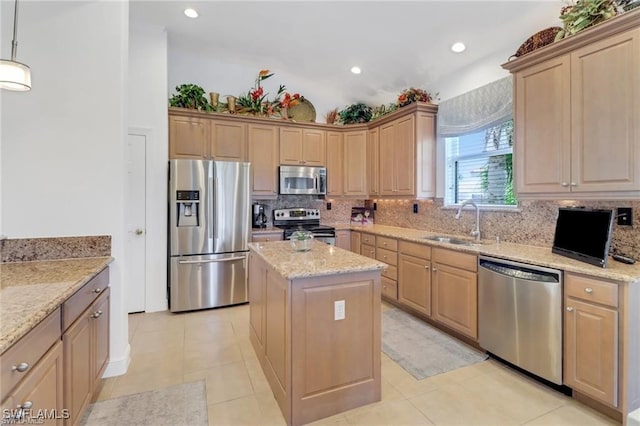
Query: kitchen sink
[[450, 240]]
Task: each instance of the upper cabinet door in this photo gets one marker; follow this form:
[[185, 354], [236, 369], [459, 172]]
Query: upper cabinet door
[[605, 108], [387, 149], [263, 156], [228, 141], [542, 124], [314, 147], [335, 163], [188, 137], [405, 155], [291, 145], [373, 163], [355, 163]]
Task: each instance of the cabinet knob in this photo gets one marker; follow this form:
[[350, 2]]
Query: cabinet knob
[[569, 309], [96, 314], [384, 256], [20, 368], [564, 184], [435, 270], [384, 244], [384, 286], [588, 290], [573, 184], [97, 290], [373, 253], [427, 267]]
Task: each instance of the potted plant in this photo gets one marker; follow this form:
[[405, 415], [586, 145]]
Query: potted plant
[[412, 95], [356, 113], [190, 96], [584, 14]]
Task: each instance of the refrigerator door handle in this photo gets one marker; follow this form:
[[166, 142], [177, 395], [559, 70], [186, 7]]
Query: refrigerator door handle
[[210, 204], [228, 259]]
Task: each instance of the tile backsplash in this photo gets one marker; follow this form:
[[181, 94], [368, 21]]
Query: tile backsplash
[[533, 224]]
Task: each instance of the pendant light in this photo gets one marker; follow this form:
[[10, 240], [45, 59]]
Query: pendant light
[[14, 75]]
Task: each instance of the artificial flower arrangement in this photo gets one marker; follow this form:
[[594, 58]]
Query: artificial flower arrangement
[[255, 101], [412, 94]]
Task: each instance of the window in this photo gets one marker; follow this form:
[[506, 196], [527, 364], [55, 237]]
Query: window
[[476, 129], [479, 166]]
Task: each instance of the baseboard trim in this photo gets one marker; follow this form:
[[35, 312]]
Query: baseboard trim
[[118, 366]]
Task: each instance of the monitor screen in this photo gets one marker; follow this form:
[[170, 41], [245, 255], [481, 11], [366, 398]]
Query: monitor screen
[[584, 234]]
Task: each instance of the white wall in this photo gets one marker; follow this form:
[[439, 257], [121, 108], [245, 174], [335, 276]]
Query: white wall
[[148, 112], [63, 142]]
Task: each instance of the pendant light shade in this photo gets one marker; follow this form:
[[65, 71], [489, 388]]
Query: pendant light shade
[[14, 75]]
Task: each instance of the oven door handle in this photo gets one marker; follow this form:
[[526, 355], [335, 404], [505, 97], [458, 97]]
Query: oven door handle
[[324, 235]]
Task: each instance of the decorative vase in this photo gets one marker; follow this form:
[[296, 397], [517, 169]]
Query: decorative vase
[[231, 104]]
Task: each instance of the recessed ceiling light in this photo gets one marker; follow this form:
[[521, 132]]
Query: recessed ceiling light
[[191, 13], [356, 70], [458, 47]]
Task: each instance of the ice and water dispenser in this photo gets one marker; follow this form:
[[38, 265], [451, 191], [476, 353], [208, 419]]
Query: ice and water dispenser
[[188, 207]]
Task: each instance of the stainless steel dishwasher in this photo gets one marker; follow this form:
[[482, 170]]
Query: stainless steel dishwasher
[[520, 315]]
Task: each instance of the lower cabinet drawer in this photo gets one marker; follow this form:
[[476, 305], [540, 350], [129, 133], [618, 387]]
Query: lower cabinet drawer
[[367, 250], [391, 272], [389, 288], [18, 361]]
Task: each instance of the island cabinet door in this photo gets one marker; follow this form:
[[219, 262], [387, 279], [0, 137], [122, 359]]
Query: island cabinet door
[[335, 344]]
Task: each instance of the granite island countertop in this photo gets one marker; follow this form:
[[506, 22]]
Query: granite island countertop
[[29, 291], [534, 255], [322, 259]]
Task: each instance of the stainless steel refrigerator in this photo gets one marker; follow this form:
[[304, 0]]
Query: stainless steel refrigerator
[[208, 233]]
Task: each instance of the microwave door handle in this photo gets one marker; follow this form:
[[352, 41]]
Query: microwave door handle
[[315, 181]]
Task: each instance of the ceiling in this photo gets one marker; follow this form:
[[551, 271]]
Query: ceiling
[[397, 44]]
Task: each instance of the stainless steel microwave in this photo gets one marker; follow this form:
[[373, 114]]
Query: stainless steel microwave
[[303, 180]]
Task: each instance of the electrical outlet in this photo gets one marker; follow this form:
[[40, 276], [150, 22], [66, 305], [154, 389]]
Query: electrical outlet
[[625, 216], [338, 310], [328, 206], [415, 207]]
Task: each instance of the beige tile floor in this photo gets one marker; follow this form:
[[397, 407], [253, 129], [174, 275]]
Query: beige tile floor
[[168, 349]]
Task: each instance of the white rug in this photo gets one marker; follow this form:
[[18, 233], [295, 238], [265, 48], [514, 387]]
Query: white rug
[[423, 350], [184, 404]]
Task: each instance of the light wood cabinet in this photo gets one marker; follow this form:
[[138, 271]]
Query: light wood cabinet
[[263, 156], [373, 162], [40, 390], [32, 373], [591, 337], [407, 154], [267, 236], [301, 146], [188, 137], [85, 344], [335, 164], [386, 250], [343, 239], [355, 163], [414, 276], [316, 365], [576, 109], [228, 140], [356, 238], [455, 291]]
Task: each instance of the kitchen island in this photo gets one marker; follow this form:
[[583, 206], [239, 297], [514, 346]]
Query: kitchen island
[[315, 327]]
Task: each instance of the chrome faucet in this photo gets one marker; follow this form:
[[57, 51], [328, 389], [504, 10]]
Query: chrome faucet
[[476, 232]]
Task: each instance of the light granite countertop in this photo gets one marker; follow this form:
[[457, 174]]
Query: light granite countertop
[[322, 259], [29, 291], [541, 256]]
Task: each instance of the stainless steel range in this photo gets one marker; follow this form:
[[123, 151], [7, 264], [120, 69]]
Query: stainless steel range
[[299, 218]]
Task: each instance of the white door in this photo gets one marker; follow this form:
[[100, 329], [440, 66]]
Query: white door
[[135, 248]]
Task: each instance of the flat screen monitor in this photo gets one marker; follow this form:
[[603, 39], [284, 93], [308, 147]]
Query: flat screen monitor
[[583, 234]]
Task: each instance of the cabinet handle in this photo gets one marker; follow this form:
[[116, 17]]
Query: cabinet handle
[[384, 256], [97, 290], [427, 267], [564, 184], [569, 309], [96, 314], [435, 270], [588, 290], [384, 244], [573, 184], [20, 368]]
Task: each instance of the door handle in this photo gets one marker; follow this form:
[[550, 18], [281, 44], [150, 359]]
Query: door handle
[[226, 259], [139, 231]]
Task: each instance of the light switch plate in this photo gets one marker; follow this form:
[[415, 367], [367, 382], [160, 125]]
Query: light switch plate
[[338, 310]]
